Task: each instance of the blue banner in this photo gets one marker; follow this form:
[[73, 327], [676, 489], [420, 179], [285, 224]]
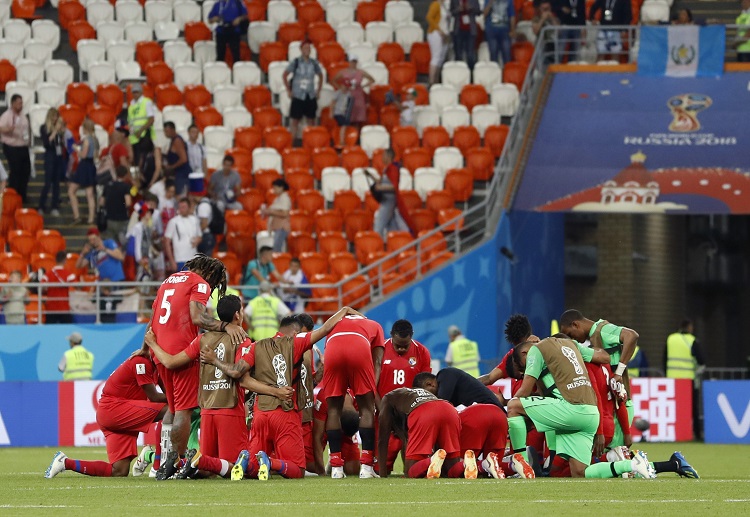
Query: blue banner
[[726, 411], [682, 51], [32, 352], [28, 414]]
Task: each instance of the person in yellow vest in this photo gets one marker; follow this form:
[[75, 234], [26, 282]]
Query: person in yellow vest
[[462, 352], [213, 302], [264, 312], [77, 363], [141, 114], [743, 36], [635, 363], [682, 355]]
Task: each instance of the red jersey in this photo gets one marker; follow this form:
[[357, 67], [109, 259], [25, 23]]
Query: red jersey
[[57, 297], [171, 321], [126, 381], [368, 329], [119, 152], [398, 371], [321, 404]]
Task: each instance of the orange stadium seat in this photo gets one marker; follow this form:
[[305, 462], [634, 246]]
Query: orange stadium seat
[[206, 116], [334, 68], [111, 95], [261, 222], [42, 261], [233, 265], [325, 299], [167, 95], [370, 204], [495, 137], [366, 242], [290, 31], [28, 219], [415, 158], [473, 95], [390, 53], [256, 96], [432, 243], [330, 243], [411, 199], [241, 244], [310, 13], [389, 117], [50, 242], [299, 179], [423, 95], [300, 242], [434, 137], [313, 263], [377, 95], [281, 260], [246, 180], [420, 55], [356, 291], [396, 240], [460, 183], [481, 163], [357, 221], [438, 259], [69, 11], [71, 259], [248, 137], [369, 12], [522, 52], [271, 51], [314, 137], [7, 73], [296, 158], [277, 137], [439, 199], [35, 311], [256, 10], [392, 282], [343, 264], [330, 52], [515, 73], [148, 52], [401, 74], [465, 138], [243, 159], [300, 221], [403, 138], [328, 221], [387, 266], [196, 96], [310, 201], [21, 242], [353, 157], [528, 11], [158, 72], [251, 199], [239, 221], [79, 94], [78, 30], [197, 31], [346, 202], [323, 157], [448, 214], [103, 116], [10, 261], [423, 219], [408, 264], [266, 116]]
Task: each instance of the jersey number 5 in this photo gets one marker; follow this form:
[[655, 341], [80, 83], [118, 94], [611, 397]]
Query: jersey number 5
[[166, 306], [398, 376]]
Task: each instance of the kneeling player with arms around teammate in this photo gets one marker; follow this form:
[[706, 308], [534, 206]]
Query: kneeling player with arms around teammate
[[349, 428], [129, 404]]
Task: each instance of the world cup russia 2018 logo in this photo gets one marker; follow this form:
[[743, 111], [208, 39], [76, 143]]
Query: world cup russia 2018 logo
[[685, 108]]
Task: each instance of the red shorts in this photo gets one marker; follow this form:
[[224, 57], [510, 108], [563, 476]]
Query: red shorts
[[348, 365], [484, 429], [223, 436], [278, 433], [121, 420], [433, 425], [307, 439], [181, 386]]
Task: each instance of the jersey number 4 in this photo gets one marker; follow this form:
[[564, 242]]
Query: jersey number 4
[[166, 306], [399, 376]]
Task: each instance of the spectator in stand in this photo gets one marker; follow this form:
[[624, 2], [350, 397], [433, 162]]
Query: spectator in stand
[[118, 151], [182, 236], [14, 300], [196, 151], [545, 17], [293, 294], [259, 270], [407, 107], [742, 40], [613, 12], [145, 237], [56, 303], [104, 256], [85, 175], [391, 214], [353, 81], [570, 13], [165, 192], [438, 23], [15, 134], [229, 15], [224, 186], [153, 169], [204, 212], [117, 201], [465, 30], [264, 312], [141, 114], [302, 89], [278, 214], [177, 165], [684, 17], [499, 28], [52, 134]]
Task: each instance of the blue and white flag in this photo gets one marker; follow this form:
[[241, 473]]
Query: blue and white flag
[[682, 51]]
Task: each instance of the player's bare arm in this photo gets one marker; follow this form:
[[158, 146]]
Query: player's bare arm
[[629, 340], [235, 371], [201, 317], [319, 429], [153, 394], [377, 361], [171, 362], [385, 426], [491, 378], [252, 384], [527, 386], [318, 334]]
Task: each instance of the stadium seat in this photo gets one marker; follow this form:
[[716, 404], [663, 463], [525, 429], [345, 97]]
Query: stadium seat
[[407, 34], [494, 139], [227, 96], [465, 138], [313, 263], [310, 201], [50, 242], [21, 242], [324, 299], [275, 76], [414, 158], [403, 138], [7, 73], [378, 32], [357, 221], [17, 30], [439, 199], [101, 73], [339, 12], [515, 73], [460, 184], [186, 11], [487, 74], [28, 219], [296, 158], [138, 31], [73, 116], [434, 137], [266, 116], [218, 137], [281, 260], [402, 73], [251, 199], [351, 33], [266, 158], [411, 200], [522, 52], [233, 266], [277, 137], [473, 95], [334, 179], [369, 12], [389, 116], [397, 239], [346, 201], [29, 72], [365, 243], [398, 12], [328, 221], [215, 74], [448, 214], [390, 53], [44, 261], [256, 11], [260, 32], [298, 180], [423, 219], [166, 95], [158, 72], [242, 244], [314, 137], [299, 242], [320, 32], [353, 157], [505, 97], [456, 74], [484, 116], [300, 221], [248, 138], [481, 163], [446, 158], [280, 11], [330, 52], [239, 221], [196, 96], [205, 116], [102, 116], [310, 12], [148, 52], [361, 182], [373, 137], [420, 55], [10, 261], [341, 263], [454, 116], [196, 31], [427, 179], [443, 96], [246, 73], [69, 11], [79, 30]]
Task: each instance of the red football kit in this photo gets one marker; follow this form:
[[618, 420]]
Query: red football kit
[[349, 445], [398, 371], [174, 331], [348, 356], [484, 429], [124, 409]]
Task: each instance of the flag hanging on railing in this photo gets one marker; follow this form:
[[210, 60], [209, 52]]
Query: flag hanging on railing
[[682, 51]]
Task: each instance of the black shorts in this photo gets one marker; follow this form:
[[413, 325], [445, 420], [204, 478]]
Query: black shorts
[[307, 108]]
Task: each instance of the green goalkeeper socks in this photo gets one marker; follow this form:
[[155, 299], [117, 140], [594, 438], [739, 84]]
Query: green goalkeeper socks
[[517, 432], [195, 425], [605, 470]]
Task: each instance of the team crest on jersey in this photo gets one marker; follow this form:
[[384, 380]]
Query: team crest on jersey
[[412, 361], [202, 288], [140, 369]]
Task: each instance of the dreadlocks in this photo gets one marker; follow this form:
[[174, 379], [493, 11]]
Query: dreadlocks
[[211, 269]]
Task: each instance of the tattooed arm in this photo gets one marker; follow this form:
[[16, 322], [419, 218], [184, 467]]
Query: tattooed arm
[[235, 371], [202, 318]]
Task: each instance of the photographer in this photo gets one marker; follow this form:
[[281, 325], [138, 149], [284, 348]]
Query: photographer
[[229, 14], [102, 255]]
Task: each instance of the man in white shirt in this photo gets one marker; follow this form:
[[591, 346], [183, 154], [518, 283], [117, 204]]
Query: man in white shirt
[[292, 294], [182, 236], [407, 107], [204, 212], [196, 152]]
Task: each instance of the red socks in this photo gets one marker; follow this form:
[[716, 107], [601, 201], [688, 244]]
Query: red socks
[[366, 458], [337, 461], [560, 468], [157, 448], [286, 469], [89, 468], [209, 464], [457, 470], [419, 469]]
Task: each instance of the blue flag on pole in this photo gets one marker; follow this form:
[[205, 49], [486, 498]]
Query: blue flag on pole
[[682, 51]]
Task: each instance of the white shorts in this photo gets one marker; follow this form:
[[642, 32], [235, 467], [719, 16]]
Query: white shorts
[[438, 48]]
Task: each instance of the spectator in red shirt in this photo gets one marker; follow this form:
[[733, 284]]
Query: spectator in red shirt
[[58, 308], [122, 153]]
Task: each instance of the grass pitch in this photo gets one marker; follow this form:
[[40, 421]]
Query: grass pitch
[[724, 488]]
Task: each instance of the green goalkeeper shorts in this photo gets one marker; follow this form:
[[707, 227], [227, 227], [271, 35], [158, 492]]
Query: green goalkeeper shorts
[[574, 424]]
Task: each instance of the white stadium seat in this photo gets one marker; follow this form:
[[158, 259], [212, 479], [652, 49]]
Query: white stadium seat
[[378, 71], [405, 179], [409, 33], [333, 179], [364, 51], [206, 9], [506, 98], [285, 103], [378, 32], [227, 96], [426, 116], [215, 74], [326, 97], [99, 11], [5, 11], [447, 158], [157, 11], [138, 31], [39, 51], [127, 70], [219, 137], [524, 27], [246, 73], [398, 12], [37, 116], [186, 74], [30, 72], [260, 32], [204, 52], [350, 33], [58, 71], [107, 32], [237, 116], [454, 116], [374, 137], [101, 72], [654, 11], [487, 74], [339, 13], [128, 11], [214, 158], [89, 51], [266, 158], [276, 76], [166, 31], [456, 73], [47, 31], [427, 179], [11, 50], [24, 90], [280, 11], [16, 30], [186, 11], [103, 137], [179, 115], [294, 50], [122, 50], [483, 116], [442, 96], [176, 52], [50, 93], [360, 181]]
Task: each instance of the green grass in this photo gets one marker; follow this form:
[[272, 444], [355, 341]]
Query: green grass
[[724, 487]]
